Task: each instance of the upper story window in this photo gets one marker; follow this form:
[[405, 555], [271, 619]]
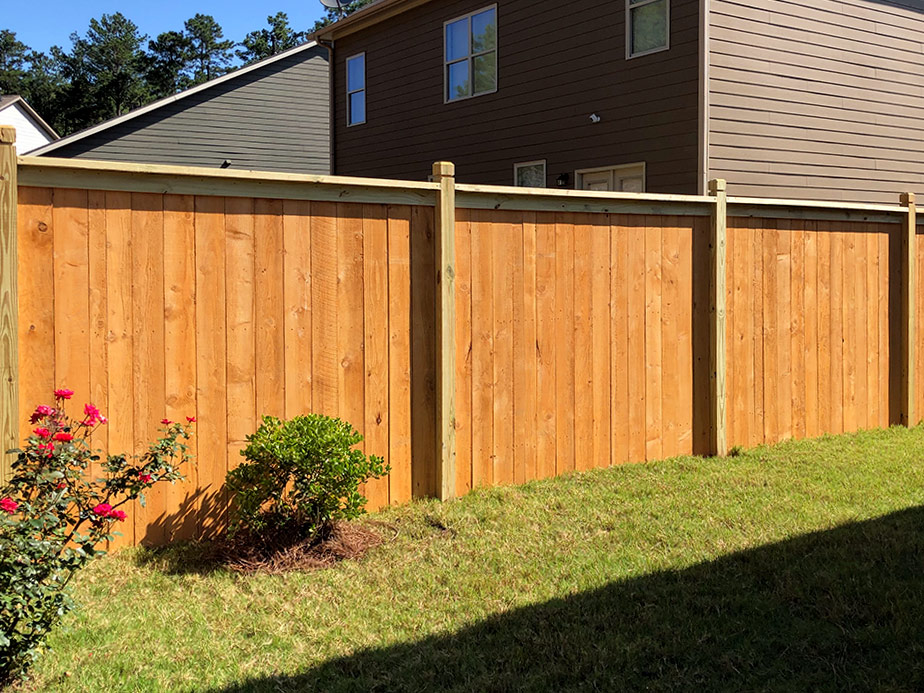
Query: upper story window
[[356, 89], [530, 174], [647, 26], [471, 55]]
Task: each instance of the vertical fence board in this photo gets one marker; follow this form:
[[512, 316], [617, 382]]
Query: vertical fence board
[[564, 352], [546, 341], [637, 335], [239, 324], [810, 337], [35, 222], [120, 312], [848, 310], [180, 351], [600, 311], [837, 374], [324, 309], [350, 307], [654, 365], [463, 289], [672, 398], [619, 338], [797, 331], [211, 358], [149, 371], [526, 354], [502, 238], [399, 354], [584, 361], [269, 320], [297, 287], [375, 351], [482, 351]]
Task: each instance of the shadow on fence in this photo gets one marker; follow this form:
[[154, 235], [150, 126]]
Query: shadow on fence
[[835, 610]]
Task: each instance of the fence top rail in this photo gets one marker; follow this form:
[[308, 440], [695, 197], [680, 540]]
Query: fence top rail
[[819, 204], [195, 180]]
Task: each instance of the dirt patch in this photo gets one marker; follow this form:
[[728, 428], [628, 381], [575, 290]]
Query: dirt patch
[[339, 542]]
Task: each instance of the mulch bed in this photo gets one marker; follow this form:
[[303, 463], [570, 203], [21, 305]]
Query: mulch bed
[[339, 542]]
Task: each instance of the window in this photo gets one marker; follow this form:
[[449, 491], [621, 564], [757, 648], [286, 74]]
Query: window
[[530, 174], [470, 61], [356, 89], [647, 26]]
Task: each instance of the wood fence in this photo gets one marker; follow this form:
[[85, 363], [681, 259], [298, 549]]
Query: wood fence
[[475, 335]]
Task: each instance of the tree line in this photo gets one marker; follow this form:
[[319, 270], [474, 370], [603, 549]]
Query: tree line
[[113, 68]]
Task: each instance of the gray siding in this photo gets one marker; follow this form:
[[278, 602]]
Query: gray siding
[[274, 118], [557, 64], [817, 98]]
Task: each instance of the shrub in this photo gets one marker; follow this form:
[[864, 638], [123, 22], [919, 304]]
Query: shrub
[[299, 477], [53, 518]]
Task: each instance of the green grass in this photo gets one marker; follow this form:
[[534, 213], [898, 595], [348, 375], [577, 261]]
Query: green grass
[[798, 567]]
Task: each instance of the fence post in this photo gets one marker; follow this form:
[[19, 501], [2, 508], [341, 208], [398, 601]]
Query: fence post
[[909, 288], [444, 173], [718, 438], [9, 301]]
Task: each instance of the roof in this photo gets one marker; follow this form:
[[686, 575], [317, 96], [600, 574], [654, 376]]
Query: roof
[[367, 16], [8, 100], [154, 105]]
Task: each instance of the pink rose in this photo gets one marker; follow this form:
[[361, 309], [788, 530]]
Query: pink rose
[[41, 412], [102, 510], [93, 415], [42, 432], [64, 437], [64, 393], [49, 448], [8, 505], [144, 478]]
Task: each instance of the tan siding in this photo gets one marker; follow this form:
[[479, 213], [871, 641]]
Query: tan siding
[[818, 99], [557, 64]]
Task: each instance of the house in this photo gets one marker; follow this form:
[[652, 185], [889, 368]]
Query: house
[[31, 131], [786, 98], [272, 115]]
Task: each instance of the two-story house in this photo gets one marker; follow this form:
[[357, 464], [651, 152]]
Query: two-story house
[[783, 98]]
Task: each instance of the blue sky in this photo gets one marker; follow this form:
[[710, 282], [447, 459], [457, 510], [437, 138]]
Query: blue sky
[[41, 25]]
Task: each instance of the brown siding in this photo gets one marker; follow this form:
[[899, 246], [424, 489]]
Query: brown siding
[[557, 64], [819, 99]]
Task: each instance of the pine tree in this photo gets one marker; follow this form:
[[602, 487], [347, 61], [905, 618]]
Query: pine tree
[[168, 61], [264, 43], [211, 55]]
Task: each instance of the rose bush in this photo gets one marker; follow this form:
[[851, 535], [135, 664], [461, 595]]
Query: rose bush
[[54, 517]]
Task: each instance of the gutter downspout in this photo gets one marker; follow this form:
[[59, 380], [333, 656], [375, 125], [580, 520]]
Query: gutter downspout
[[329, 45]]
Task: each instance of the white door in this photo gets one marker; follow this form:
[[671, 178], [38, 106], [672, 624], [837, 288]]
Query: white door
[[617, 179]]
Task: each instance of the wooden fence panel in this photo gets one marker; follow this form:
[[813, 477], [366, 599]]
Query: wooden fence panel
[[602, 336], [226, 309], [808, 328]]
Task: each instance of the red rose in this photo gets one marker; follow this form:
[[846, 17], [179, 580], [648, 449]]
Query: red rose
[[61, 486], [8, 505], [191, 419], [117, 515], [64, 437], [64, 394], [42, 432], [166, 422], [103, 510], [41, 412], [144, 478]]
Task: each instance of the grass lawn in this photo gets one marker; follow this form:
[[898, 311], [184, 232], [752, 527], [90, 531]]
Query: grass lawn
[[797, 567]]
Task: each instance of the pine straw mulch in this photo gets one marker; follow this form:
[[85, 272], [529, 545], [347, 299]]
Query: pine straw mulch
[[340, 541]]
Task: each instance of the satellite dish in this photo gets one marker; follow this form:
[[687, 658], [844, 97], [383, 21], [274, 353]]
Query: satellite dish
[[337, 5]]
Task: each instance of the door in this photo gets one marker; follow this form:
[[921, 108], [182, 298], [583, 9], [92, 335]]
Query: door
[[616, 179]]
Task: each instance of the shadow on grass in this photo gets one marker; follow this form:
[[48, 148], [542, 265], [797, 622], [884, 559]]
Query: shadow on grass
[[835, 610]]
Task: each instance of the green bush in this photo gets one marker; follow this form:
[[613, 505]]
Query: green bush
[[299, 477], [54, 516]]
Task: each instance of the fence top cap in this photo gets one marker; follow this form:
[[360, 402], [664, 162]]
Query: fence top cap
[[444, 168]]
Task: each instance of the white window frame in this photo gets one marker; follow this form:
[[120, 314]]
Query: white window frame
[[470, 57], [356, 91], [523, 164], [667, 45], [615, 170]]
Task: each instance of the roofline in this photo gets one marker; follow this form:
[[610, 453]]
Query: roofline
[[154, 105], [31, 111], [367, 16]]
